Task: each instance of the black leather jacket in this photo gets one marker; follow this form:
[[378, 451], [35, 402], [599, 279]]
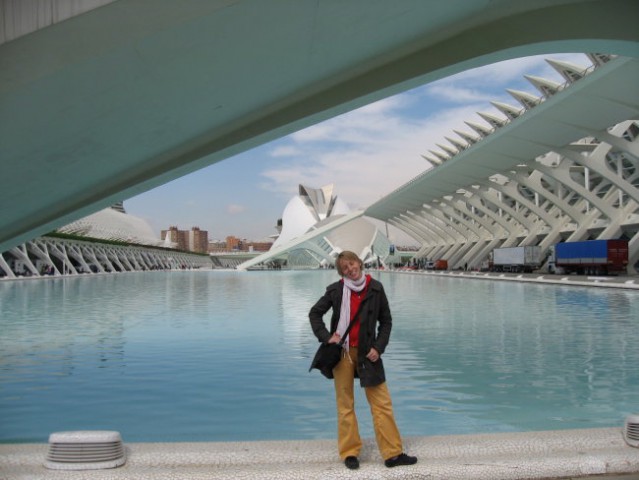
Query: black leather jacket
[[375, 328]]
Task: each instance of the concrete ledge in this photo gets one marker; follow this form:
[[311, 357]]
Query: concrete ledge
[[621, 282], [505, 456]]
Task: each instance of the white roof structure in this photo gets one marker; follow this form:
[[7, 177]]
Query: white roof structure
[[306, 210], [565, 169], [114, 224], [316, 226]]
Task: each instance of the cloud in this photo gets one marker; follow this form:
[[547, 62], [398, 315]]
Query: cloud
[[285, 151], [458, 94], [371, 152], [363, 124], [234, 209]]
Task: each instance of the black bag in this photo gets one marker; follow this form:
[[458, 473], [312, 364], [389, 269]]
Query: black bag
[[328, 354], [326, 358]]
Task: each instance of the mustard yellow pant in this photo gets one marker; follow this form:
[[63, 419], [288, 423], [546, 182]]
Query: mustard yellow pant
[[386, 432]]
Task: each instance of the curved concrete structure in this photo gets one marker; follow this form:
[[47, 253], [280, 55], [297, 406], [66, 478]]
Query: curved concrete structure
[[564, 167], [128, 246], [115, 101], [51, 256], [111, 224]]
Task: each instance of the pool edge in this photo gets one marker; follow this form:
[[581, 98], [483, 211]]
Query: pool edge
[[554, 454]]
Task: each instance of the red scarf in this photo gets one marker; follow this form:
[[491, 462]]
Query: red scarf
[[356, 300]]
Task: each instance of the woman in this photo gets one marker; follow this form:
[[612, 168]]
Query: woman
[[361, 358]]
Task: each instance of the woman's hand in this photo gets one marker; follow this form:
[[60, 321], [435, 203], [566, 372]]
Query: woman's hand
[[335, 338], [373, 355]]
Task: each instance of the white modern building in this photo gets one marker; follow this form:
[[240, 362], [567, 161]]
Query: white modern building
[[316, 226], [105, 242], [562, 165], [114, 224]]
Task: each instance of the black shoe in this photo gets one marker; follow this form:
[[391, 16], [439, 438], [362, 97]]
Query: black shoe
[[351, 463], [401, 459]]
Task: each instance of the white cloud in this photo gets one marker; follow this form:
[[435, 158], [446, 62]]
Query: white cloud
[[234, 209], [320, 131], [372, 153], [285, 151], [369, 121], [458, 94]]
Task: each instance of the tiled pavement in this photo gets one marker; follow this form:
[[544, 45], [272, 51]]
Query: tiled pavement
[[565, 454]]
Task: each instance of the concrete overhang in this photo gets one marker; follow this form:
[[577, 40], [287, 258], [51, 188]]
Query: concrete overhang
[[120, 99]]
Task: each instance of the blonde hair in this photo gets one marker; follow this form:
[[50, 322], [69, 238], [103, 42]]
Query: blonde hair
[[348, 256]]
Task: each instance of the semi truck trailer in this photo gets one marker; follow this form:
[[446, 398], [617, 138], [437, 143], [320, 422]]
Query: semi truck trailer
[[516, 259], [591, 257]]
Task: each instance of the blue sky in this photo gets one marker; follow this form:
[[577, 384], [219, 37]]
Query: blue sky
[[366, 154]]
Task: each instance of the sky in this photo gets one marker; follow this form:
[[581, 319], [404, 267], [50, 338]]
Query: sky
[[366, 154]]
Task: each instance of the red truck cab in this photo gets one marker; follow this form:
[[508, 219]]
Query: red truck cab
[[440, 265]]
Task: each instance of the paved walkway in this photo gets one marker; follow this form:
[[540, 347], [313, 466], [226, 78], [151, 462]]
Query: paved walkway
[[506, 456], [630, 282]]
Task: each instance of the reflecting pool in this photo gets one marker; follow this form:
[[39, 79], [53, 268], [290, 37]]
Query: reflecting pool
[[224, 356]]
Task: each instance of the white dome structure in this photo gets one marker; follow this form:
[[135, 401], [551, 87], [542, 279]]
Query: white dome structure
[[114, 224], [310, 207], [316, 226]]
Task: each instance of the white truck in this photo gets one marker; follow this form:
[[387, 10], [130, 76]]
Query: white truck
[[516, 259]]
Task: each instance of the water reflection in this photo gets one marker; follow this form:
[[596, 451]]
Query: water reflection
[[531, 356], [188, 356]]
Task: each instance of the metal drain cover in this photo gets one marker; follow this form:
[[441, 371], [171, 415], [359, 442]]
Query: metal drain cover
[[85, 450]]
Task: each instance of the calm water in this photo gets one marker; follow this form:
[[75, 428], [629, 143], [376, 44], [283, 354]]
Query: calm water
[[223, 356]]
